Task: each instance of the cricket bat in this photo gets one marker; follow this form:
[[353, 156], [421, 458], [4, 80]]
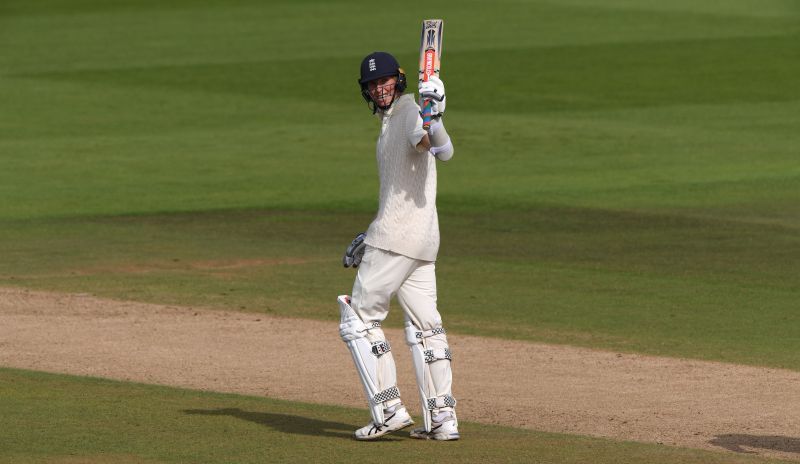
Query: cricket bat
[[430, 58]]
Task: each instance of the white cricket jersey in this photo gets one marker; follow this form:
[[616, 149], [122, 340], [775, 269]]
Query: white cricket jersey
[[407, 221]]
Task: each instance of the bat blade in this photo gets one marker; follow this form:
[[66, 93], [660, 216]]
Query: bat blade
[[430, 58]]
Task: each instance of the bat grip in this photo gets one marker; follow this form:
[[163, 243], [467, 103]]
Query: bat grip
[[426, 114]]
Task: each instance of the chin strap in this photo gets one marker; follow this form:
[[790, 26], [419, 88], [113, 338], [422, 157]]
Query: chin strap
[[373, 105]]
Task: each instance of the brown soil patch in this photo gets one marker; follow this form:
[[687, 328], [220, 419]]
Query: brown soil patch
[[544, 387], [177, 265]]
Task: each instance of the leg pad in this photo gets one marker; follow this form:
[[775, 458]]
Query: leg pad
[[366, 357], [429, 350]]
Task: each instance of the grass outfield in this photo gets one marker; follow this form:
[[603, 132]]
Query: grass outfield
[[63, 419], [625, 176]]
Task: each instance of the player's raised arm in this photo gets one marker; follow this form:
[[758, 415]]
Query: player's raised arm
[[436, 141]]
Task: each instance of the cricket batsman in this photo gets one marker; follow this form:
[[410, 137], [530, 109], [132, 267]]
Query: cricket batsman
[[397, 256]]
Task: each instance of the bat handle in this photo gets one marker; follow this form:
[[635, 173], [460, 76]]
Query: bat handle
[[426, 114]]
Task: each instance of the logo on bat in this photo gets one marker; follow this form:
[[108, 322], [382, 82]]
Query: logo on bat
[[429, 55], [431, 38]]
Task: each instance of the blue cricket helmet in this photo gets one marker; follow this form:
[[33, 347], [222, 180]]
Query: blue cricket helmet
[[377, 65]]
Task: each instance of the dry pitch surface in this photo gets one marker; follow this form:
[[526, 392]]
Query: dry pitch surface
[[544, 387]]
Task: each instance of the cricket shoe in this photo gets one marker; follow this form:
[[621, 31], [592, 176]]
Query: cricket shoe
[[443, 427], [394, 419]]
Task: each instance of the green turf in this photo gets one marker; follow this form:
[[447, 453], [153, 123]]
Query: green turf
[[625, 175], [49, 418]]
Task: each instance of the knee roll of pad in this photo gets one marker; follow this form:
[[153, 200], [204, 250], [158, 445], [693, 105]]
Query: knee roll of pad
[[434, 384]]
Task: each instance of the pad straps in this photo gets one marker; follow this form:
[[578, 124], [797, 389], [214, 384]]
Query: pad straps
[[439, 402], [381, 348], [437, 354], [414, 336], [386, 395]]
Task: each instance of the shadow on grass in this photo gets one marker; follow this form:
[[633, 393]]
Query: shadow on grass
[[285, 423], [738, 442]]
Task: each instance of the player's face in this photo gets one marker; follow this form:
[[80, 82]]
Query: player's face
[[382, 90]]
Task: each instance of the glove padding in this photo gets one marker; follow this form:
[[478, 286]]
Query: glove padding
[[433, 89], [355, 251]]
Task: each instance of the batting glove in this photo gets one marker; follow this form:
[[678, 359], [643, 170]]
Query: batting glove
[[355, 251], [433, 89]]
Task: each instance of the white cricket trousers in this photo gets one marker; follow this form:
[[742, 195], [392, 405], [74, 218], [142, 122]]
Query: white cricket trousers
[[383, 274]]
